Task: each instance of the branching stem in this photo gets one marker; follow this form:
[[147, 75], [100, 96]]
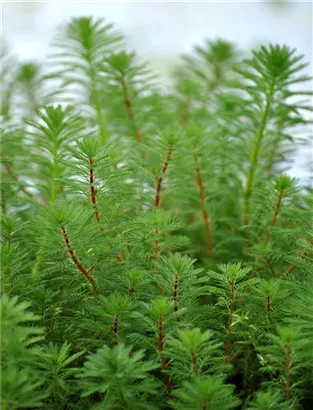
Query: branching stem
[[86, 272]]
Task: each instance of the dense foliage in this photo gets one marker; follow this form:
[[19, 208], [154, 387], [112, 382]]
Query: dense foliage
[[154, 252]]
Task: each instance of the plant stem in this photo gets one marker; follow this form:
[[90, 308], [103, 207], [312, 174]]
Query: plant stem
[[77, 262], [175, 296], [94, 200], [15, 178], [184, 120], [115, 327], [39, 259], [161, 349], [292, 267], [92, 189], [274, 220], [185, 116], [160, 328], [97, 102], [129, 109], [268, 306], [156, 247], [255, 156], [272, 158], [273, 223], [131, 290], [194, 362], [205, 216], [288, 364], [230, 319], [270, 266], [54, 185], [157, 198]]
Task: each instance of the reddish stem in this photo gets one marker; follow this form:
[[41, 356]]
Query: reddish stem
[[203, 209], [268, 306], [86, 272], [93, 199], [166, 377], [161, 336], [274, 219], [131, 290], [184, 120], [292, 267], [129, 108], [194, 362], [15, 178], [115, 325], [115, 328], [92, 189], [160, 179], [158, 198]]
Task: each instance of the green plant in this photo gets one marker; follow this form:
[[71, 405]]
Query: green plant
[[155, 235], [205, 393], [21, 380], [121, 376]]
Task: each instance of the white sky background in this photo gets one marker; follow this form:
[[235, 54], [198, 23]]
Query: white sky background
[[161, 31]]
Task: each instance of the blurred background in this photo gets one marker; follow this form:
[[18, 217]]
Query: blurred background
[[160, 31]]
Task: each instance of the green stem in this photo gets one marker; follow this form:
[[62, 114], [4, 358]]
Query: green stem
[[230, 320], [255, 156], [97, 106], [100, 119], [54, 185], [288, 368], [39, 259], [107, 395]]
